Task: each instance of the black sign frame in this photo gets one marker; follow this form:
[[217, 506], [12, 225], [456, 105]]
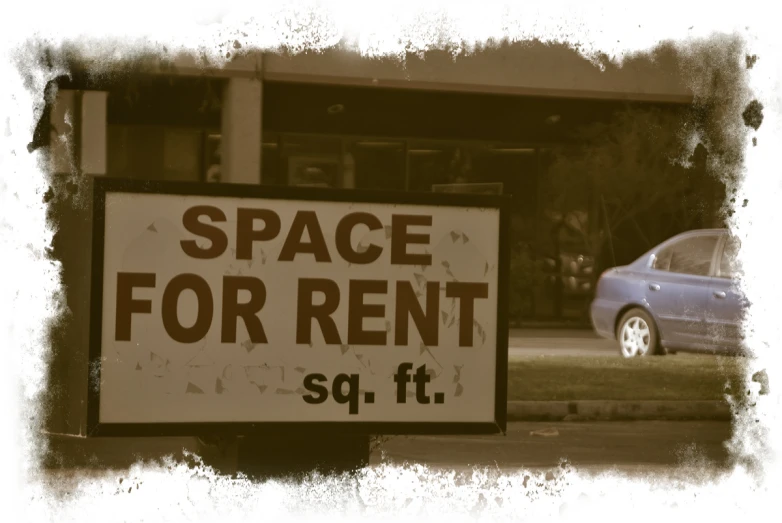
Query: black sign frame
[[102, 186]]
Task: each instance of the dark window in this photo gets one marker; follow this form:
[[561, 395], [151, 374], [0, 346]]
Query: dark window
[[435, 164], [312, 161], [376, 164], [688, 256], [155, 152], [729, 262]]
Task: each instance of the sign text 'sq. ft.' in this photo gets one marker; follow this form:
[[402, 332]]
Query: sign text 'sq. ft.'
[[217, 308]]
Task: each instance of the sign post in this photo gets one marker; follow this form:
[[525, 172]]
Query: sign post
[[296, 314]]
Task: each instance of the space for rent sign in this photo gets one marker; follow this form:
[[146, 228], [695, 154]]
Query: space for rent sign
[[246, 305]]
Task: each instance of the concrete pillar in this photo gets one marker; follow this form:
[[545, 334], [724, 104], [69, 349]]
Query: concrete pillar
[[241, 131], [78, 137], [62, 128], [77, 144], [93, 132]]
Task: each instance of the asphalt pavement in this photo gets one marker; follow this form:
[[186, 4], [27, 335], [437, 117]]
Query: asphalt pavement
[[635, 445], [558, 342], [672, 449]]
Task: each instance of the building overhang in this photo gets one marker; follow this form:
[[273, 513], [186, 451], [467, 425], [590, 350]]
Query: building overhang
[[524, 69]]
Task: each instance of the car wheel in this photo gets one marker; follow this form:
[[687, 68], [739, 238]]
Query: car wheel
[[637, 334]]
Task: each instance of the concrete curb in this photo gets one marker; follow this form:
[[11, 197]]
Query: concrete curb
[[551, 326], [617, 410]]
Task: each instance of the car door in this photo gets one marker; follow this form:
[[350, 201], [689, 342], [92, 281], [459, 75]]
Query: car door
[[677, 289], [726, 303]]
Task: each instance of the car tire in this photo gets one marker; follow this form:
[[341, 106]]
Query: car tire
[[637, 335]]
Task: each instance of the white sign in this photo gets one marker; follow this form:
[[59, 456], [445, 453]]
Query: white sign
[[251, 310]]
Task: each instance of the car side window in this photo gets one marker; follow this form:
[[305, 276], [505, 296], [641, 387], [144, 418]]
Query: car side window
[[729, 261], [662, 260], [688, 256]]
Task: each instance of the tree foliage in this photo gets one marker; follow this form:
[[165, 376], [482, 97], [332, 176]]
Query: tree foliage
[[637, 164]]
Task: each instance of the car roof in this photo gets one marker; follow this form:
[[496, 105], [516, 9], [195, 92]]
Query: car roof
[[695, 232], [702, 231]]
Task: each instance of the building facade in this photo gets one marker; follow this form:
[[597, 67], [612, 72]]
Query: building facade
[[337, 119]]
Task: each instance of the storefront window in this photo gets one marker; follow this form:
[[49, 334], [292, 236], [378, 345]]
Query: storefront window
[[312, 161], [433, 163], [212, 159], [155, 152], [376, 164], [271, 169], [565, 243], [162, 128], [182, 154]]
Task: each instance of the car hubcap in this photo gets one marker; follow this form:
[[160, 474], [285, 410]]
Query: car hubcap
[[635, 338]]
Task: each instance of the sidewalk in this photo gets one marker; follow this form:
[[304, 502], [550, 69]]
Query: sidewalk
[[557, 325], [549, 333], [563, 342], [589, 410]]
